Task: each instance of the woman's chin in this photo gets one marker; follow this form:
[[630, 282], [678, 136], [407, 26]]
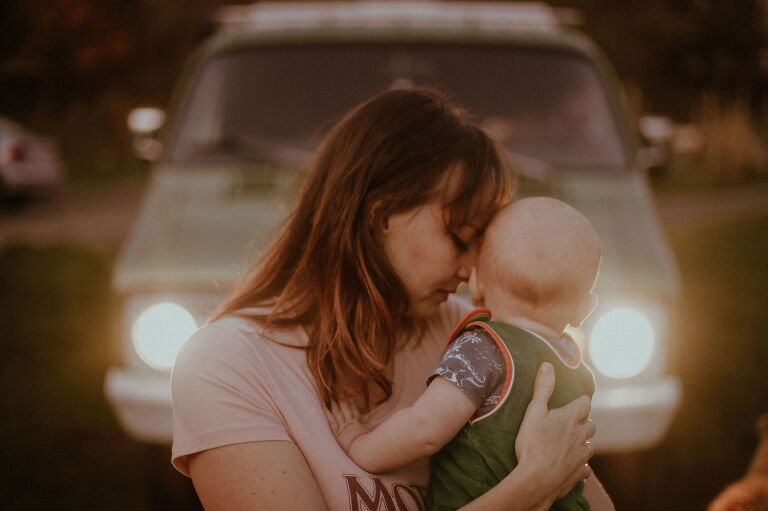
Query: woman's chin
[[428, 306]]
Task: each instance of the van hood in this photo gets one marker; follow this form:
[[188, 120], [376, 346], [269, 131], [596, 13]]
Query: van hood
[[202, 228], [636, 257]]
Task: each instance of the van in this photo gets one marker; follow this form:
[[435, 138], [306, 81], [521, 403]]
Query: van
[[250, 109]]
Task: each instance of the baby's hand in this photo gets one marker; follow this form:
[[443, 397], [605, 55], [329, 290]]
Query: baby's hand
[[345, 422], [349, 433]]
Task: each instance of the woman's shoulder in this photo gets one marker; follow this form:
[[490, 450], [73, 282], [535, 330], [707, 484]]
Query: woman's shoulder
[[223, 388], [214, 350], [232, 334], [232, 346], [222, 335]]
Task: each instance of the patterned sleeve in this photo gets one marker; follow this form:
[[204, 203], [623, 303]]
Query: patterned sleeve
[[474, 363]]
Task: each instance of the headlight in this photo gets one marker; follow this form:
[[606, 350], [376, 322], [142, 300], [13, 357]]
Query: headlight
[[159, 331], [621, 343]]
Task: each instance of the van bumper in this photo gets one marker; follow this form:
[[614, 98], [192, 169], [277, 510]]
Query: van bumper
[[142, 403], [634, 417]]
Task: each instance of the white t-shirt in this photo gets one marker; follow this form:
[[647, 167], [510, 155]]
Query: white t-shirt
[[231, 385]]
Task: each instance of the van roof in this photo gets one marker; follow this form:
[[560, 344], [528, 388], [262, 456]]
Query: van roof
[[273, 15]]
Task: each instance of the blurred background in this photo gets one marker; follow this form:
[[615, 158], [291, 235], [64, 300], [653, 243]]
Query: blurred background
[[71, 71]]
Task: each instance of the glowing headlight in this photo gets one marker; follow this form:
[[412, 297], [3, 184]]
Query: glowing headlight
[[159, 332], [621, 343]]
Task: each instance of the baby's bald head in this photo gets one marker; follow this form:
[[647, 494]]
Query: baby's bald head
[[540, 252]]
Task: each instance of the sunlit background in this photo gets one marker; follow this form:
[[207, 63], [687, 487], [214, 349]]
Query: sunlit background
[[85, 83]]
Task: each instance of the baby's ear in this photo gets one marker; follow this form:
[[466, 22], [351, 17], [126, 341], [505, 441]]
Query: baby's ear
[[586, 308], [475, 289]]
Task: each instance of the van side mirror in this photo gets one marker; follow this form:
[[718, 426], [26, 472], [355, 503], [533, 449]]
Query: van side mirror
[[144, 123], [658, 131]]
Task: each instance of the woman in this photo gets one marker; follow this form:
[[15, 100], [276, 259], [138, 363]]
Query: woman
[[346, 314]]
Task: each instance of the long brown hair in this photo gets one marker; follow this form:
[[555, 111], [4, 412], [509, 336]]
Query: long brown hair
[[327, 271]]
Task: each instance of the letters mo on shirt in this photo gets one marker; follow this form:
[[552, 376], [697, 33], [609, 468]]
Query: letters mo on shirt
[[377, 496]]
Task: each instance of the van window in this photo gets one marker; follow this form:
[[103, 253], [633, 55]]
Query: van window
[[274, 103]]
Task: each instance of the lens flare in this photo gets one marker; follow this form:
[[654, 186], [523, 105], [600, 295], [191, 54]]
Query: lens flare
[[621, 343], [160, 331]]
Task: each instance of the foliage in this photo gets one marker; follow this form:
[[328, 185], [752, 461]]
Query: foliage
[[74, 68], [675, 50]]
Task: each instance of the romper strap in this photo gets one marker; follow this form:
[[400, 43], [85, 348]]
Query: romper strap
[[479, 314]]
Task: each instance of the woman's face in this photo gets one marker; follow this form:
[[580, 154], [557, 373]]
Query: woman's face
[[428, 256]]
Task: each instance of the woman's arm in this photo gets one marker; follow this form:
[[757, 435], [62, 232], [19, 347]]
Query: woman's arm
[[255, 475], [551, 453], [416, 431]]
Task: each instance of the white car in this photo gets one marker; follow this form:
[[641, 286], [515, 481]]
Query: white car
[[248, 112], [29, 163]]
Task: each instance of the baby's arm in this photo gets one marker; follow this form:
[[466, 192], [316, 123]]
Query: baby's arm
[[414, 432]]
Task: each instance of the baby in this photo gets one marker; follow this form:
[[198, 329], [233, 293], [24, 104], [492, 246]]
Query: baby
[[535, 272]]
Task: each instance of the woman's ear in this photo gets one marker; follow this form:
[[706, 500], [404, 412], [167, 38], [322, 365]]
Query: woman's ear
[[373, 210]]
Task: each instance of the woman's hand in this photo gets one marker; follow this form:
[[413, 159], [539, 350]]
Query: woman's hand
[[552, 443], [551, 452]]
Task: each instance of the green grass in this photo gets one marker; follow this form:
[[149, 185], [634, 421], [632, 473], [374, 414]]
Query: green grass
[[62, 448]]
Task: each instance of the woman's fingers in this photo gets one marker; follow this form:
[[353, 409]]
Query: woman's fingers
[[553, 443], [581, 429], [578, 409], [543, 386], [588, 429]]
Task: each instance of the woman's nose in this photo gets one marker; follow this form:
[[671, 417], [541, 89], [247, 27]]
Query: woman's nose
[[467, 262]]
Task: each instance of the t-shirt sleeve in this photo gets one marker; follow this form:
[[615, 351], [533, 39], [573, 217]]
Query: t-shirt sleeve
[[474, 363], [219, 397]]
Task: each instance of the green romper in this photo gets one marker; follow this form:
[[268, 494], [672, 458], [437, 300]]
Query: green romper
[[483, 452]]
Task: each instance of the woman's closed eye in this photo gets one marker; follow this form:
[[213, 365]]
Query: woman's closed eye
[[460, 243]]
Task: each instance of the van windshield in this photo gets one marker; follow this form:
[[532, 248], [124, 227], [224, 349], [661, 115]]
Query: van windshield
[[274, 103]]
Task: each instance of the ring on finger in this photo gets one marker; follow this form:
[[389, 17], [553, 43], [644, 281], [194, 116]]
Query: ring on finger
[[588, 445], [589, 470]]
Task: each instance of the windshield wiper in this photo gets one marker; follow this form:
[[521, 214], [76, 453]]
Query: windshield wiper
[[530, 167], [257, 149]]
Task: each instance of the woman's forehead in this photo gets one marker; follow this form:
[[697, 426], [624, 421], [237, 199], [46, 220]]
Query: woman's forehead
[[466, 226], [473, 210], [469, 201], [469, 220]]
